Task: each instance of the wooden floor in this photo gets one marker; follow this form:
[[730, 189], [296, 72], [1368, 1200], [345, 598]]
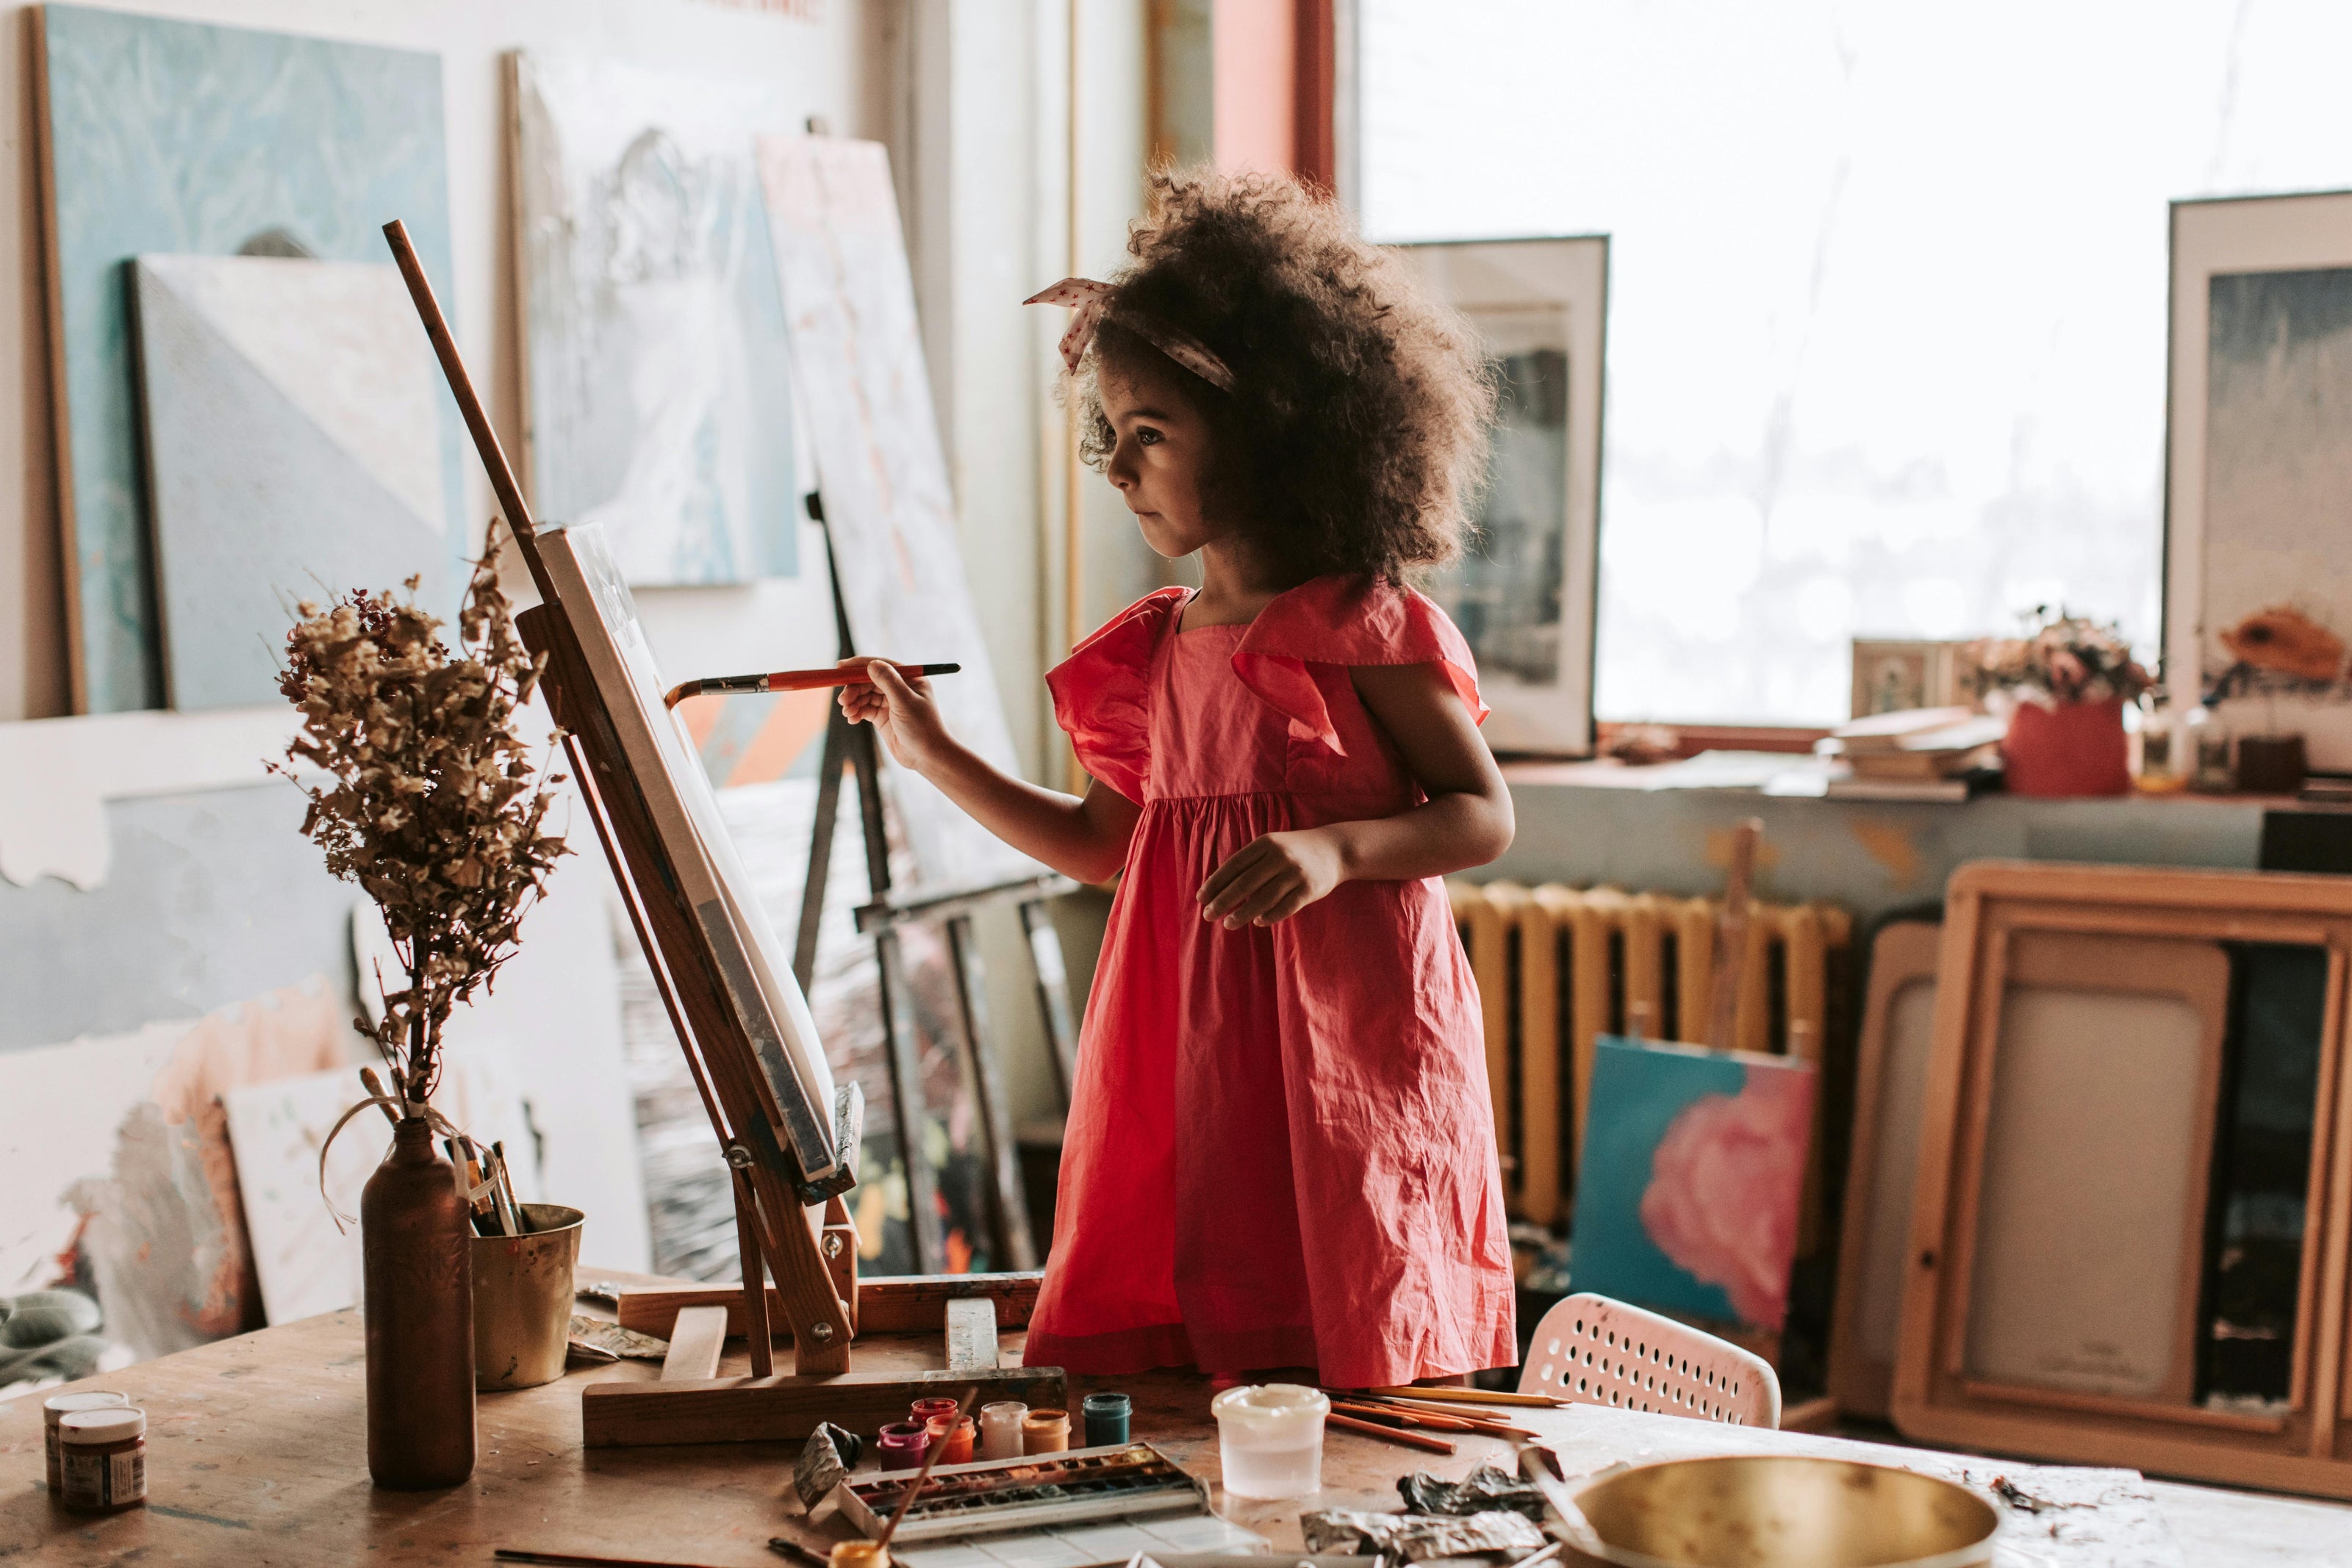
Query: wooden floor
[[258, 1456]]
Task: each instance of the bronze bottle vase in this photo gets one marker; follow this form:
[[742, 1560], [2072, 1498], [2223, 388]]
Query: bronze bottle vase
[[416, 1242]]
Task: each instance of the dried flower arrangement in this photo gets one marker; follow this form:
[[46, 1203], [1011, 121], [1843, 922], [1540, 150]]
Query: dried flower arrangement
[[2279, 650], [2062, 658], [432, 801]]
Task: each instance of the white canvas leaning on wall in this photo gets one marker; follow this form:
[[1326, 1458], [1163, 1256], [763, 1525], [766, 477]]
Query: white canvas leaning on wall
[[1524, 592], [295, 448], [657, 381], [889, 512], [2258, 494]]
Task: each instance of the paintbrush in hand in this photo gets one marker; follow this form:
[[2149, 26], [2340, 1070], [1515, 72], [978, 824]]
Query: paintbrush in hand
[[796, 680]]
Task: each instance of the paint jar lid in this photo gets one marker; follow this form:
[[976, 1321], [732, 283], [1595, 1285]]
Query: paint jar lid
[[1270, 1405], [59, 1406], [97, 1428], [1108, 1404]]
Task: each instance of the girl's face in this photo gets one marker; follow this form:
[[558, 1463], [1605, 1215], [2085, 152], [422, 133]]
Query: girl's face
[[1160, 460]]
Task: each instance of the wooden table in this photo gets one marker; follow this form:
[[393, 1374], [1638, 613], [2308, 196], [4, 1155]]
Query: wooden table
[[258, 1455]]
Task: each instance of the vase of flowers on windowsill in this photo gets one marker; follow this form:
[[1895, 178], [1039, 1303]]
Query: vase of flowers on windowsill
[[424, 791], [2063, 685]]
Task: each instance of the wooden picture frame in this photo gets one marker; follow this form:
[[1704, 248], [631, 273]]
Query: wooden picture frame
[[1895, 673], [1889, 1087], [2300, 1444], [1527, 596], [2253, 447]]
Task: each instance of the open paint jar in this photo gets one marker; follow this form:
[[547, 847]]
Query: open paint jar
[[1270, 1440]]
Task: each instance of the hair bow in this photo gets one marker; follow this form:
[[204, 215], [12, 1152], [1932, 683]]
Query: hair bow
[[1088, 299]]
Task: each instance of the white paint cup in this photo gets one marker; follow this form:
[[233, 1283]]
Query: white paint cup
[[1270, 1440]]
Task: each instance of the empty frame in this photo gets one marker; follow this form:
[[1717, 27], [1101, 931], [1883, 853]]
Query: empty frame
[[2128, 1066], [1898, 1029]]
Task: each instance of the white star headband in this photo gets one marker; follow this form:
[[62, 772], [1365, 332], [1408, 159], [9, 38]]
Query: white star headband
[[1087, 300]]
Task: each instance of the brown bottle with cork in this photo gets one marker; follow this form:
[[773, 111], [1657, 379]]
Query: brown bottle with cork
[[416, 1242]]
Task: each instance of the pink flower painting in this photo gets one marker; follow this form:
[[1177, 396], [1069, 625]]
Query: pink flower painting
[[1724, 1183]]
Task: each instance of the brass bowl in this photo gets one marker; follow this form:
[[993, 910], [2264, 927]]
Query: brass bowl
[[1759, 1511]]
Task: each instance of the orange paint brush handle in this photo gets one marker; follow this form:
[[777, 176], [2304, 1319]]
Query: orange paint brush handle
[[794, 680], [1390, 1434]]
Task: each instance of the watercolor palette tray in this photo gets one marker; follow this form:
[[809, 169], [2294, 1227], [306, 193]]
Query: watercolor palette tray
[[1182, 1540], [1127, 1480]]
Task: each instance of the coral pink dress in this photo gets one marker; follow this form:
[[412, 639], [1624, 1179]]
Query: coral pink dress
[[1281, 1150]]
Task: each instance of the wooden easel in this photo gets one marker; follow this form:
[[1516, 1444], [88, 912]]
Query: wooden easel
[[852, 746], [797, 1231]]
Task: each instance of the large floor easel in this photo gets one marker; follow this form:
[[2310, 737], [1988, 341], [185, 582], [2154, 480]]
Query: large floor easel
[[797, 1232], [852, 747]]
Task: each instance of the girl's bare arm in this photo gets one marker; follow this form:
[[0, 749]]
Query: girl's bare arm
[[1083, 837], [1466, 820]]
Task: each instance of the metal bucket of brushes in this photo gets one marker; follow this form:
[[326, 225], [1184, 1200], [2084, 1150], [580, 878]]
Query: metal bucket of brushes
[[522, 1298], [1759, 1510]]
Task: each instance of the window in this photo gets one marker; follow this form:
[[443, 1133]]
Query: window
[[1887, 292]]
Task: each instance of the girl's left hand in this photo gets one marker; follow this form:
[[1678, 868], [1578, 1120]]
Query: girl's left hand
[[1272, 878]]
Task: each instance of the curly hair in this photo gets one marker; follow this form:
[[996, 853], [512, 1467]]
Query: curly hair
[[1356, 430]]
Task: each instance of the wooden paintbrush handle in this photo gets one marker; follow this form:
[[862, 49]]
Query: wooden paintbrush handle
[[1391, 1434], [1731, 936]]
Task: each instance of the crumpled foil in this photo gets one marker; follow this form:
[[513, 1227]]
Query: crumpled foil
[[1416, 1537], [1484, 1489], [824, 1463]]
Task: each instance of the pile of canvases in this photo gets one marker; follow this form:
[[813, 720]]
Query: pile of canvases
[[2101, 1199]]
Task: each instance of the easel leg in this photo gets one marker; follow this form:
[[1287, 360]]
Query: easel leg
[[828, 813], [1014, 1245], [923, 1224], [1053, 993], [755, 1283]]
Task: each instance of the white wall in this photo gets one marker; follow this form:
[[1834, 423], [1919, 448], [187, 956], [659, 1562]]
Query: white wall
[[836, 63], [967, 93]]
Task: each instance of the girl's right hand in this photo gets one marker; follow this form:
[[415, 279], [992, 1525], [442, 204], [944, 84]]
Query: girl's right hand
[[901, 709]]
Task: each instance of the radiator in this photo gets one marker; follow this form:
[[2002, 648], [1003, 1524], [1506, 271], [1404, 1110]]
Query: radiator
[[1559, 967]]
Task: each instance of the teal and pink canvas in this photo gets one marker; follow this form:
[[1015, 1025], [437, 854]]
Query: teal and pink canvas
[[1692, 1167]]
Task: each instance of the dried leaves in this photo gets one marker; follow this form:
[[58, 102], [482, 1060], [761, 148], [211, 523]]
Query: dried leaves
[[432, 801]]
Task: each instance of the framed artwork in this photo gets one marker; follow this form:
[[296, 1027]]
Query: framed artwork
[[1525, 594], [657, 373], [1894, 675], [2130, 1174], [175, 137], [2258, 468]]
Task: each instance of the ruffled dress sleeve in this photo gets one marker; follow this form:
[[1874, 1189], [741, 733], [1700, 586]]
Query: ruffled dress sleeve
[[1341, 621], [1102, 692]]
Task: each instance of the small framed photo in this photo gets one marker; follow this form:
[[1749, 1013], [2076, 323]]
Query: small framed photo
[[1893, 675]]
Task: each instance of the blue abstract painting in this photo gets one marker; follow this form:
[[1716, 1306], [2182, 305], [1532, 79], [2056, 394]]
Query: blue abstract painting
[[177, 138], [1688, 1193]]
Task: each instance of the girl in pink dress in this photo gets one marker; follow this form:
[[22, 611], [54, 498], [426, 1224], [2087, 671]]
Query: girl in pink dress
[[1280, 1150]]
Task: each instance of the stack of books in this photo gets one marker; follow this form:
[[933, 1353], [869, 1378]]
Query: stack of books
[[1919, 754]]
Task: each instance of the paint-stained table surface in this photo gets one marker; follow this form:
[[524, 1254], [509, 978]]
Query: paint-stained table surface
[[258, 1455]]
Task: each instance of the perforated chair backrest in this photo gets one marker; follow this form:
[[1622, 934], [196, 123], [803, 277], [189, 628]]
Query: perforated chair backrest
[[1595, 1351]]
